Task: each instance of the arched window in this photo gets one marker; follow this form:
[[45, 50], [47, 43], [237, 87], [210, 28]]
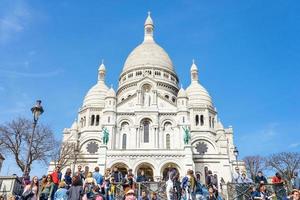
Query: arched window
[[84, 121], [97, 120], [183, 119], [81, 122], [197, 120], [168, 142], [167, 96], [92, 120], [146, 131], [209, 121], [202, 120], [213, 122], [167, 126], [124, 126], [173, 99], [124, 141], [108, 119]]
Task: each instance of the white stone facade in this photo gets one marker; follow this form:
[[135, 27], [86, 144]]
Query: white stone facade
[[146, 116]]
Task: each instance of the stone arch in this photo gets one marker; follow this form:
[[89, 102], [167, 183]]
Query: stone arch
[[124, 119], [167, 119], [141, 118], [203, 146], [88, 139], [204, 138], [124, 125], [146, 81], [165, 168], [148, 169], [91, 145], [122, 167]]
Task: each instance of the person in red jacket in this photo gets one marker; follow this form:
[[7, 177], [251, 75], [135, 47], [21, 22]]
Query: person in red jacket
[[277, 178], [56, 177]]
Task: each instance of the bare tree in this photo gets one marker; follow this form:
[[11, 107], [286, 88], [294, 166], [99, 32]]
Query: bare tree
[[69, 154], [286, 163], [64, 156], [15, 137], [254, 164]]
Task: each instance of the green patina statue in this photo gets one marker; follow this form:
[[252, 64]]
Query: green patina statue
[[105, 136], [187, 135]]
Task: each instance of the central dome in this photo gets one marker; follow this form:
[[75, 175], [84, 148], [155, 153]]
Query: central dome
[[148, 53]]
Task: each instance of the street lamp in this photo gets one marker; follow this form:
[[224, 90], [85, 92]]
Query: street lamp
[[76, 151], [236, 154], [36, 110]]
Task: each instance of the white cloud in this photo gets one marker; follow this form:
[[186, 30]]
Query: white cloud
[[18, 74], [294, 145], [14, 21]]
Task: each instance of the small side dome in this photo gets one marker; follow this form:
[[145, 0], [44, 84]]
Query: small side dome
[[181, 93], [197, 94], [111, 93], [96, 95], [74, 125]]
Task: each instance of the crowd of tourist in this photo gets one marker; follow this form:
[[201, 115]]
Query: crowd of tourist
[[259, 188], [88, 185]]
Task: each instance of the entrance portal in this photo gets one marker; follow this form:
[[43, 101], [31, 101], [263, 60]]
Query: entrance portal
[[147, 169], [169, 169], [121, 167]]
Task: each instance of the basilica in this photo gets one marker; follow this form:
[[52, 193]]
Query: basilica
[[151, 123]]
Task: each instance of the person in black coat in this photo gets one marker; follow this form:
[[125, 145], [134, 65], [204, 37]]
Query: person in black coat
[[260, 178], [142, 177]]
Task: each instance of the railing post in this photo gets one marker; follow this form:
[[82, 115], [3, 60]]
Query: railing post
[[139, 190]]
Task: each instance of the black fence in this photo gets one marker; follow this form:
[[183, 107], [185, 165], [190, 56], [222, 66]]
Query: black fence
[[229, 191], [158, 187], [241, 191]]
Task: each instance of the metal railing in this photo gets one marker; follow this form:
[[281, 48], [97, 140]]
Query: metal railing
[[158, 187], [243, 191], [229, 191]]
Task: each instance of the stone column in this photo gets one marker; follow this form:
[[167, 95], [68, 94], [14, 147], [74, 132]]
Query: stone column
[[154, 97], [188, 158], [139, 97], [162, 138], [102, 158], [138, 137], [117, 140]]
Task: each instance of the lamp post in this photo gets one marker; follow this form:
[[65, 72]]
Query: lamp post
[[236, 154], [36, 110], [76, 151]]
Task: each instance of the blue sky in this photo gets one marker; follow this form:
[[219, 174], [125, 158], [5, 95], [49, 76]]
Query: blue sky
[[247, 53]]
